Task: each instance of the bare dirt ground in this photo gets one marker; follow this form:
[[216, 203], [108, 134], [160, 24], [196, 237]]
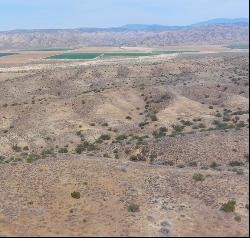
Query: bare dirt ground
[[154, 147], [24, 58]]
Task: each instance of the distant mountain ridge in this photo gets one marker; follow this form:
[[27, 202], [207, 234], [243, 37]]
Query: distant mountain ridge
[[145, 27], [216, 31], [223, 21]]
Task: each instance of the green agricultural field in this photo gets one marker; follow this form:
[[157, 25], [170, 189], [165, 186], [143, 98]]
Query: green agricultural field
[[167, 52], [6, 54], [77, 56]]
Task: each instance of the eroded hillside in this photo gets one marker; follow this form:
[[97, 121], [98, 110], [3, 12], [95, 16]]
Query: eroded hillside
[[154, 148]]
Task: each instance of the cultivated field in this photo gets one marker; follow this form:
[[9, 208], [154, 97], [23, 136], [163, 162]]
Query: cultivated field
[[148, 146]]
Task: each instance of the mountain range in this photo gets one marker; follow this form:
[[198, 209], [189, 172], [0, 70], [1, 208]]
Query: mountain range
[[215, 31]]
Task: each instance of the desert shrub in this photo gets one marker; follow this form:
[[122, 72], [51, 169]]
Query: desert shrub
[[202, 125], [137, 158], [240, 125], [129, 118], [16, 148], [236, 163], [25, 148], [218, 114], [198, 177], [75, 195], [85, 146], [105, 124], [238, 171], [153, 118], [186, 123], [193, 164], [79, 133], [168, 163], [222, 126], [152, 156], [229, 206], [241, 112], [133, 158], [2, 159], [105, 137], [63, 151], [178, 128], [143, 124], [237, 218], [133, 208], [214, 165], [121, 138], [161, 132], [246, 156], [106, 155], [32, 157], [47, 152], [195, 127], [226, 118]]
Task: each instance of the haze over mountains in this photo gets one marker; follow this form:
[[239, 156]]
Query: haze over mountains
[[216, 31]]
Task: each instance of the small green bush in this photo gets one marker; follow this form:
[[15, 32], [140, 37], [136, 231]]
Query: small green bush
[[133, 208], [229, 206], [63, 151], [16, 148], [236, 163], [198, 177], [76, 195], [105, 137]]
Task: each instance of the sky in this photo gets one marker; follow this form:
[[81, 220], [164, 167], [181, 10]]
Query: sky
[[45, 14]]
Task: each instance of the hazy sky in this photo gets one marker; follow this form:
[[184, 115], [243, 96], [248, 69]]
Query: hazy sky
[[16, 14]]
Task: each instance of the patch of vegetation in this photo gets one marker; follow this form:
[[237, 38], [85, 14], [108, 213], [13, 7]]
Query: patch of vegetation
[[137, 158], [246, 156], [214, 165], [76, 195], [229, 206], [240, 112], [25, 148], [143, 124], [153, 117], [85, 146], [16, 148], [237, 218], [178, 128], [222, 126], [133, 208], [46, 152], [193, 164], [105, 137], [161, 132], [236, 163], [63, 151], [198, 177], [121, 138], [32, 158], [168, 163], [186, 123]]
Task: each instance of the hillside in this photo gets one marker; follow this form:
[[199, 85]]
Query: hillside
[[212, 32], [155, 147]]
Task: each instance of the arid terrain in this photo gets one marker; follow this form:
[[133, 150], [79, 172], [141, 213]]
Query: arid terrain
[[151, 146]]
